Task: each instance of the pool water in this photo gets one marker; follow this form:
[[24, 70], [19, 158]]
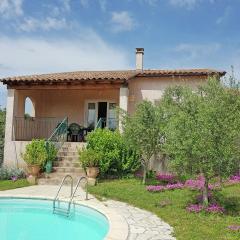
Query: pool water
[[27, 219]]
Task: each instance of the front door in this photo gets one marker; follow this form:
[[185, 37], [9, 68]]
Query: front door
[[102, 113]]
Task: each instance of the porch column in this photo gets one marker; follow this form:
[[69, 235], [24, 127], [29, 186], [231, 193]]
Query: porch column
[[123, 103], [9, 151]]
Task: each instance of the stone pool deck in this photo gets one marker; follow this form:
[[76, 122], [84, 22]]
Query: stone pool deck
[[126, 222]]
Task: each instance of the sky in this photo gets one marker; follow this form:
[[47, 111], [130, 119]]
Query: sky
[[70, 35]]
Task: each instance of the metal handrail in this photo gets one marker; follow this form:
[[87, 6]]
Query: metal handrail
[[72, 193], [77, 185], [105, 121], [99, 123], [55, 131], [59, 135], [56, 197]]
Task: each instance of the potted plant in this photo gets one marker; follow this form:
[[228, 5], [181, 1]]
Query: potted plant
[[90, 160], [51, 156], [35, 156]]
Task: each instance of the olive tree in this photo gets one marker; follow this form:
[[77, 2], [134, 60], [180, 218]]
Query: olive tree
[[143, 132], [203, 130]]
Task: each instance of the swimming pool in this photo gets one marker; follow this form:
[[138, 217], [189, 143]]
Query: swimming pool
[[28, 219]]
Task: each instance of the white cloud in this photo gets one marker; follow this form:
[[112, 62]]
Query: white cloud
[[122, 21], [11, 8], [225, 15], [30, 55], [50, 23], [197, 50]]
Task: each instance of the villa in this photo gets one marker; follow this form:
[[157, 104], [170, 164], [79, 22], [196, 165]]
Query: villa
[[85, 98]]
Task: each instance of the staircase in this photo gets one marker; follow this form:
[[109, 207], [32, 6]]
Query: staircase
[[67, 162]]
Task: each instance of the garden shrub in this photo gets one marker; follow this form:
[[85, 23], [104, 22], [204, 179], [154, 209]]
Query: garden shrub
[[10, 173], [35, 153], [117, 158], [89, 158]]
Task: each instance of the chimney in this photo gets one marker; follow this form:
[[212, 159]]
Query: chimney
[[139, 58]]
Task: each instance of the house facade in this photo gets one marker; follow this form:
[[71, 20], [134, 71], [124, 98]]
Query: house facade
[[83, 97]]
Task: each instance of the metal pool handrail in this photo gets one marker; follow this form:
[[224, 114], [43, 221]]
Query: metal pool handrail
[[56, 197], [67, 211]]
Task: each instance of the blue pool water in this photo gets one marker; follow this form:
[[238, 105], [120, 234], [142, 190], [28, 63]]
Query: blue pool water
[[27, 219]]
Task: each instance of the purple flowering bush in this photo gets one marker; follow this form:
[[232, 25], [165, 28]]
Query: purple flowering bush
[[153, 188], [166, 177], [197, 208], [234, 227], [161, 188], [233, 180], [214, 208], [198, 184]]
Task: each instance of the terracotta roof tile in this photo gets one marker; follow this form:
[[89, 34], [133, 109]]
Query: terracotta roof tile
[[125, 75]]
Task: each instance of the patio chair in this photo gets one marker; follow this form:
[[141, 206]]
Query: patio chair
[[75, 133]]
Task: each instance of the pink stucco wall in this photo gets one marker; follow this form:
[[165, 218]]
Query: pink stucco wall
[[153, 88]]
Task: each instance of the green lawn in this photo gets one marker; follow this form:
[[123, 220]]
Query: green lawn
[[187, 226], [9, 184]]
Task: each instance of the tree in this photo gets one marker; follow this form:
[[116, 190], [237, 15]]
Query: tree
[[203, 130], [143, 132], [2, 128]]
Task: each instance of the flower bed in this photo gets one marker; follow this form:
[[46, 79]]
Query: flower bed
[[197, 208], [160, 188]]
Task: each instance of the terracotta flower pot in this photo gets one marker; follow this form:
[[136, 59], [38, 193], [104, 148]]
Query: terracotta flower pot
[[34, 170], [92, 172]]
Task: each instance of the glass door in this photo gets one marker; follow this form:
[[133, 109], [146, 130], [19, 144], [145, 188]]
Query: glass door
[[101, 114]]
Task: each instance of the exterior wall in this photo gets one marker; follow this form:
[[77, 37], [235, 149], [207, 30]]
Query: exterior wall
[[12, 157], [152, 88]]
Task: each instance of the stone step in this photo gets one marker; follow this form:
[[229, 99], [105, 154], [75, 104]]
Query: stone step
[[66, 163], [68, 158], [58, 179], [68, 169], [69, 153]]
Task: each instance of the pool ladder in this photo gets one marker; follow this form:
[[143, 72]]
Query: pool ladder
[[66, 211]]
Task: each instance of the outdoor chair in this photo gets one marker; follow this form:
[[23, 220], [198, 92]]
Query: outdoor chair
[[75, 133]]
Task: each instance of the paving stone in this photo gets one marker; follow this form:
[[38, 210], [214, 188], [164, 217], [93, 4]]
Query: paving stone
[[143, 225]]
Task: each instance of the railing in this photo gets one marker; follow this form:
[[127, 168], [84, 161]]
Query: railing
[[101, 123], [59, 135], [66, 211], [28, 128], [110, 123]]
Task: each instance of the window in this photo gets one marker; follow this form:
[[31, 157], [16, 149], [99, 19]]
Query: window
[[112, 120], [29, 110], [91, 115]]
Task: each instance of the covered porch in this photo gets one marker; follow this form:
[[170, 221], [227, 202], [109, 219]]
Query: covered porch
[[85, 109]]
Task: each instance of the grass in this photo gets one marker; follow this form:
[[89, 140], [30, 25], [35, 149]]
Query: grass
[[9, 184], [170, 206]]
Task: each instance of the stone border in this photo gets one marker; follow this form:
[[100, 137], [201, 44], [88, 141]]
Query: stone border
[[118, 227]]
